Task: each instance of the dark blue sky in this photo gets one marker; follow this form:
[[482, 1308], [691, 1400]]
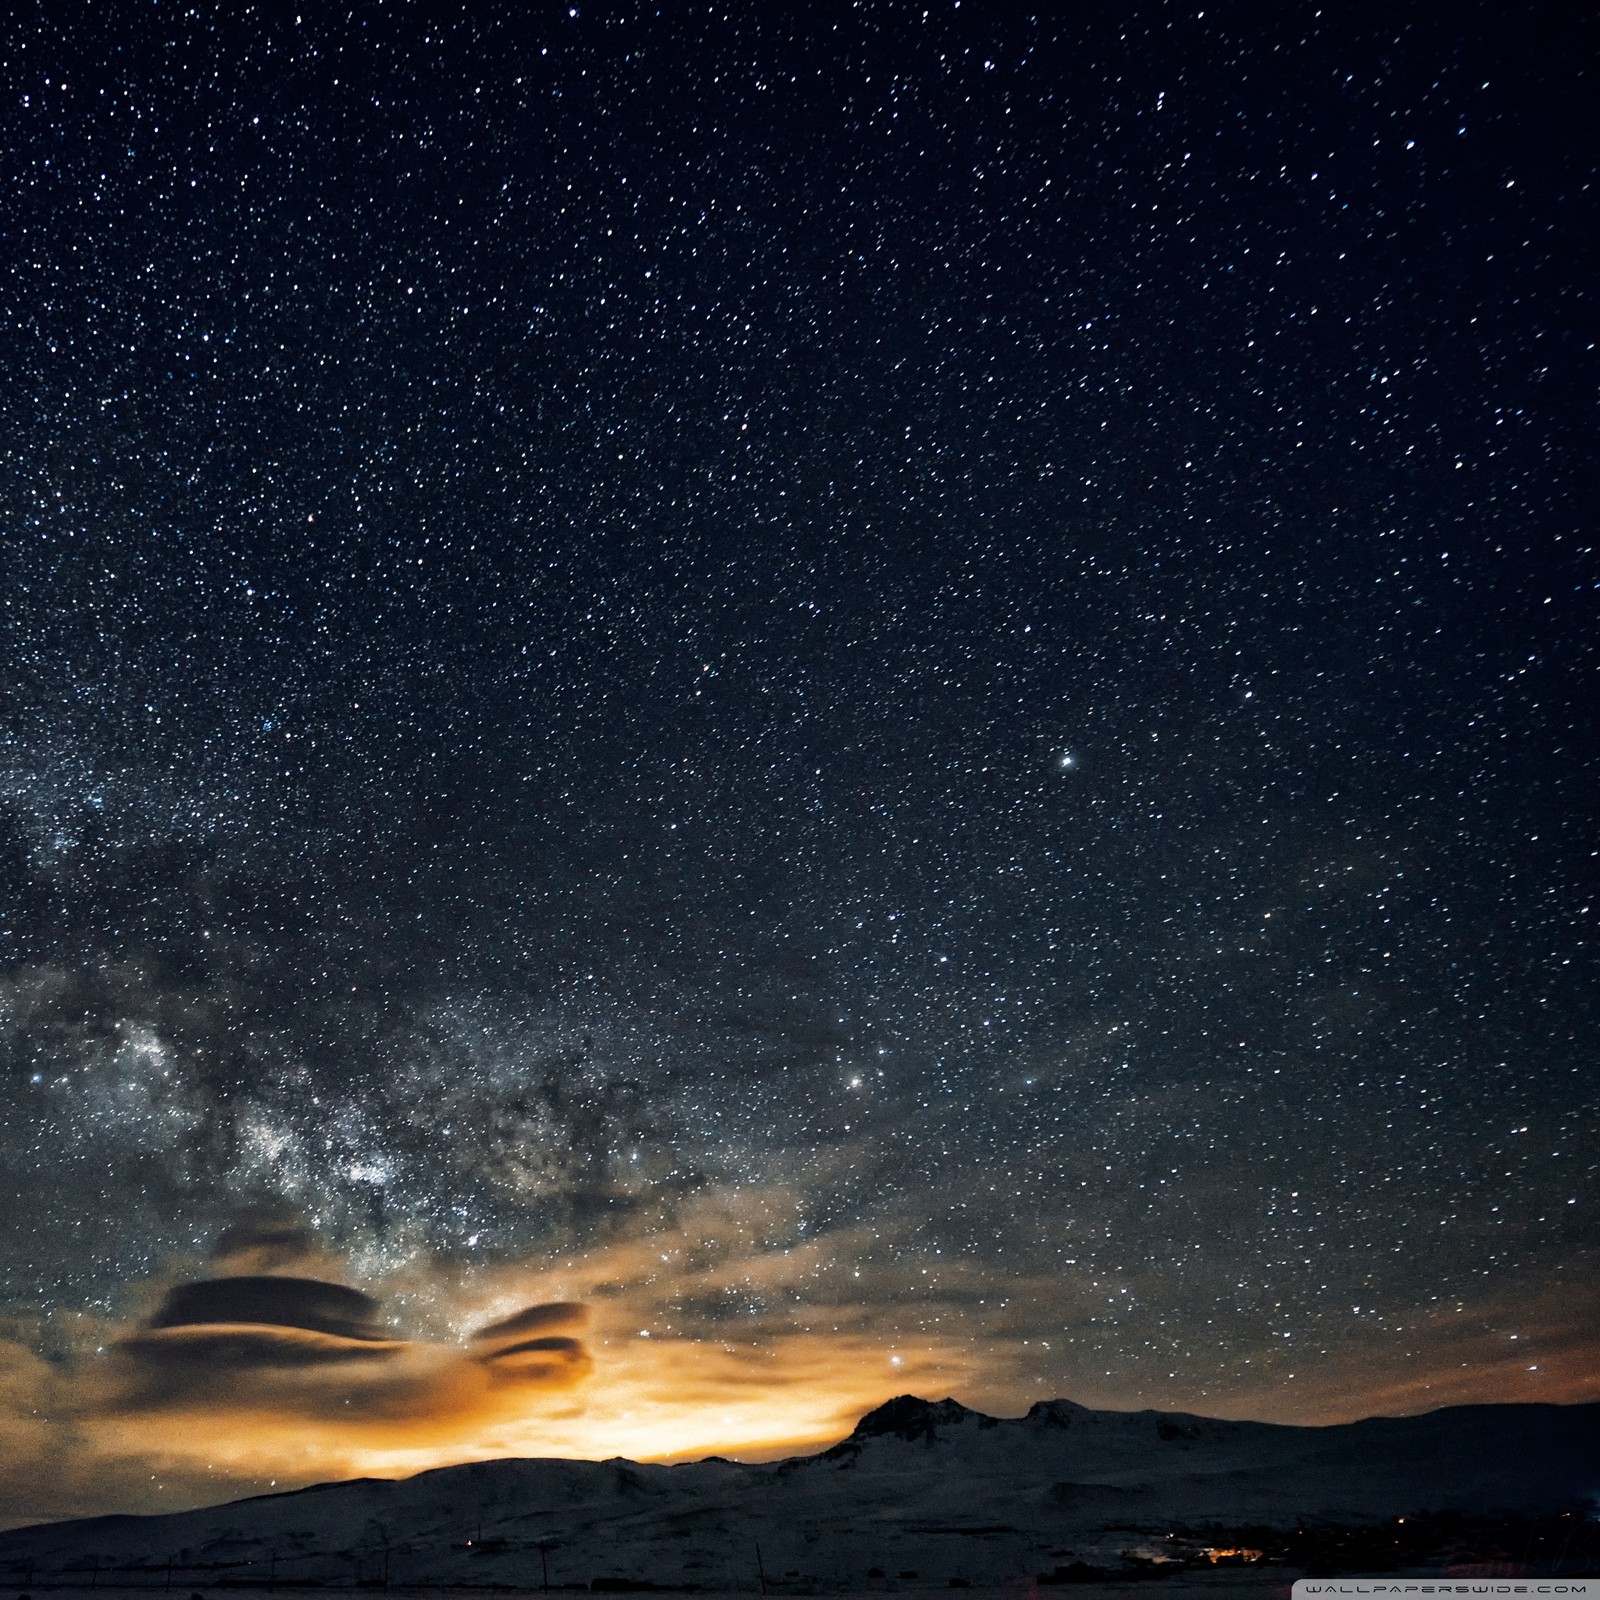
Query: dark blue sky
[[985, 620]]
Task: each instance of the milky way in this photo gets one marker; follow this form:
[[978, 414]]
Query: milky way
[[972, 630]]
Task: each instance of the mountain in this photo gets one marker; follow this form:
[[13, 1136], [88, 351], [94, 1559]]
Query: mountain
[[920, 1488]]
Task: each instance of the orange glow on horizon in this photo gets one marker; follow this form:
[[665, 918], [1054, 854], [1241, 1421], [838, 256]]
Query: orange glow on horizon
[[723, 1335]]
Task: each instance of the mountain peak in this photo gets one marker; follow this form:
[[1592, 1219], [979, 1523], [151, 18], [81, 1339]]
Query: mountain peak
[[1056, 1413], [908, 1416]]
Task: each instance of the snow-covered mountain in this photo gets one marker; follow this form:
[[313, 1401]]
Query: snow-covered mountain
[[930, 1489]]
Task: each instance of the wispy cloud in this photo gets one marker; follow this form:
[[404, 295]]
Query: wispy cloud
[[722, 1328]]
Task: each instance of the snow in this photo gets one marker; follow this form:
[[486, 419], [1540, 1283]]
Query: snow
[[933, 1490]]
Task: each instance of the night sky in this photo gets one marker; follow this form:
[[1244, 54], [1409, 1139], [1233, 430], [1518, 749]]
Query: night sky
[[885, 698]]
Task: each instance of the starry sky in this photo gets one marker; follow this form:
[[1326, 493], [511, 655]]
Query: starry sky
[[711, 712]]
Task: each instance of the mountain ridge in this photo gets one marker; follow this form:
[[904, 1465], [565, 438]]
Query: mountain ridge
[[917, 1484]]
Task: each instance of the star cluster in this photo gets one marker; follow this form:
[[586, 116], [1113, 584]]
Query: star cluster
[[975, 626]]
